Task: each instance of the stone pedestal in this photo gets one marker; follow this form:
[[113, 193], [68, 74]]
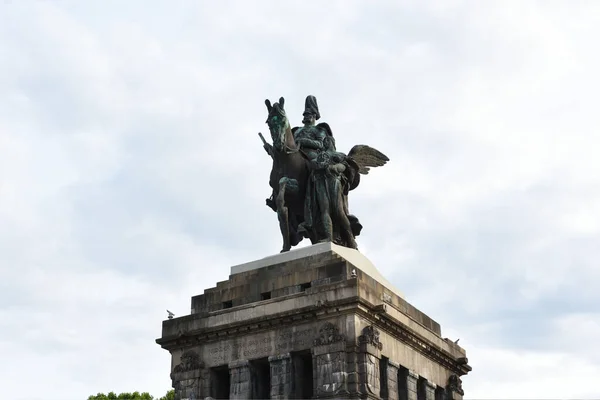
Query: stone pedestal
[[316, 322]]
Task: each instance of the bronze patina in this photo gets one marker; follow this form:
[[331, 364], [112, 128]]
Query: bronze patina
[[311, 179]]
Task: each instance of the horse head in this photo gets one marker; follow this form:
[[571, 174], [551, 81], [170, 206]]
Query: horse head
[[279, 126]]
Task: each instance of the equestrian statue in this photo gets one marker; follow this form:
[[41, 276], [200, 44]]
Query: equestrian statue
[[311, 180]]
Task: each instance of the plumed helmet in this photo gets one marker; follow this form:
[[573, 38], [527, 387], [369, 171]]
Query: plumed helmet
[[311, 107]]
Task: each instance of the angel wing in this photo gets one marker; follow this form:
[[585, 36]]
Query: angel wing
[[366, 157]]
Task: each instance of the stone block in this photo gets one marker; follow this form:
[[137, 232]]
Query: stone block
[[430, 391]]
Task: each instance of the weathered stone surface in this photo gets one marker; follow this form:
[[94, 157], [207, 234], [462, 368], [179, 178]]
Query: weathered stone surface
[[370, 338], [312, 326], [429, 391], [353, 256], [391, 377], [281, 377], [454, 389], [240, 380], [411, 385], [332, 376], [369, 375], [329, 334], [186, 377]]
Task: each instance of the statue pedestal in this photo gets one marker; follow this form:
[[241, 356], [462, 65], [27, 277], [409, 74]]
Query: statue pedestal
[[315, 322]]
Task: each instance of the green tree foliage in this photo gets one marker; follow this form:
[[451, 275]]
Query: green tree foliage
[[170, 395]]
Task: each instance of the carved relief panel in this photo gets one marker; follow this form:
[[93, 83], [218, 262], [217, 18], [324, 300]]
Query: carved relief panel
[[370, 352], [186, 376], [331, 373], [329, 355]]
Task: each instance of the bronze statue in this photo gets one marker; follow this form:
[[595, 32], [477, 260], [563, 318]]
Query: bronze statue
[[311, 179]]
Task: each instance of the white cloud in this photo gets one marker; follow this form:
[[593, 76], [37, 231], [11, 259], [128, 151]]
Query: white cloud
[[530, 375], [132, 177]]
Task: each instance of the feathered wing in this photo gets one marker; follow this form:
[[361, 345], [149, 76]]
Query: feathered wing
[[367, 157]]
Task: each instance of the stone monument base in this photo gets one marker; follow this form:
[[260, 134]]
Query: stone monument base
[[315, 322]]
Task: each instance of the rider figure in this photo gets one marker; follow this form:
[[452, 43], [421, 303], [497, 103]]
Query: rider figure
[[314, 140], [310, 137]]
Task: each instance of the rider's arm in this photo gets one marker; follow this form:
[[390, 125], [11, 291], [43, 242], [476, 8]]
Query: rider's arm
[[310, 144], [315, 144]]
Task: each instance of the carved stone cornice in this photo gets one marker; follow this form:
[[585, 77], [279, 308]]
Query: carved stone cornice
[[355, 304], [417, 342], [307, 314]]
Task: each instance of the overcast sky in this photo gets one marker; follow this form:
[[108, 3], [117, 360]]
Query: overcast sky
[[132, 176]]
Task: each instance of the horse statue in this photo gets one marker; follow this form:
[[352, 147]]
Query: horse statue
[[288, 175]]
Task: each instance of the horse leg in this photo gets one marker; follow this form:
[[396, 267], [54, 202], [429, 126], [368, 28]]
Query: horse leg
[[282, 214], [271, 201]]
